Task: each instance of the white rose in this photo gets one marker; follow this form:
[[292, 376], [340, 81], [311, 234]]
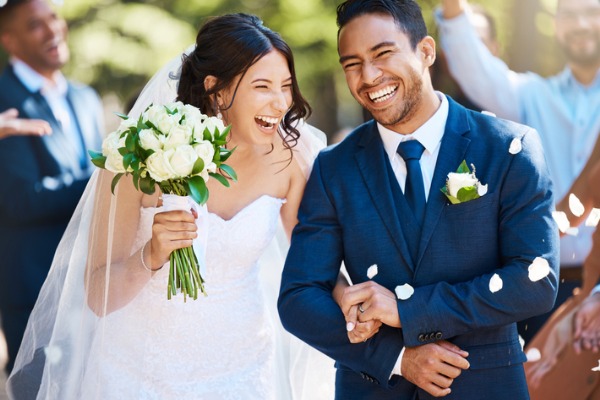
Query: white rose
[[457, 181], [178, 136], [126, 124], [149, 140], [212, 167], [165, 122], [182, 160], [213, 123], [158, 166], [110, 149], [153, 113], [206, 151], [192, 114], [198, 129]]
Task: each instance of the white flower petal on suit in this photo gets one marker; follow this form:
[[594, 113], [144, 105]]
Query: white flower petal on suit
[[495, 283], [597, 369], [576, 206], [372, 271], [539, 269], [594, 217], [404, 292], [515, 146], [561, 220]]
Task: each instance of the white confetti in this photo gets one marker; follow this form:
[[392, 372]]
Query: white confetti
[[495, 283], [372, 271], [594, 217], [576, 206], [533, 355], [561, 220], [539, 269], [521, 342], [515, 146], [482, 189], [53, 354], [597, 369], [485, 112], [404, 292], [572, 231], [3, 3]]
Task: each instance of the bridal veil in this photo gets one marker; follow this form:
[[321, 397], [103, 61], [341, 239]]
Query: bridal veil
[[96, 272]]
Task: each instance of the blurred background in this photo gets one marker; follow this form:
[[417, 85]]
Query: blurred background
[[116, 45]]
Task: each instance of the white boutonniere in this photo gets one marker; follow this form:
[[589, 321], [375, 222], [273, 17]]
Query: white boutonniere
[[463, 185]]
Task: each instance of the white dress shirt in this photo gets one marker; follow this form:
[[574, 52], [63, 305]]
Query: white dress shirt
[[430, 136]]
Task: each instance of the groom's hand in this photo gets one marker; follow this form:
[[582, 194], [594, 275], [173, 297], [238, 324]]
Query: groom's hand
[[434, 366], [373, 301], [360, 331]]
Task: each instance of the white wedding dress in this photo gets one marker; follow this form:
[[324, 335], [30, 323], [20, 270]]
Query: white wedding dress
[[218, 347]]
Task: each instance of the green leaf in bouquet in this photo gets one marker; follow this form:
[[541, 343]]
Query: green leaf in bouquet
[[171, 112], [128, 159], [467, 193], [130, 142], [98, 159], [147, 185], [197, 189], [463, 168], [136, 180], [206, 135], [223, 135], [229, 171], [220, 178], [115, 181], [452, 199], [123, 151], [224, 153], [198, 166], [122, 116], [151, 125], [135, 163]]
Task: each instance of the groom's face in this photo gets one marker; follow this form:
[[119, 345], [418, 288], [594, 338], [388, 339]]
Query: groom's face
[[384, 73]]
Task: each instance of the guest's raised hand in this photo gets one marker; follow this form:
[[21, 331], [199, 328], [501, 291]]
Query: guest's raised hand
[[453, 8], [586, 325], [374, 302], [171, 230], [434, 366], [11, 125]]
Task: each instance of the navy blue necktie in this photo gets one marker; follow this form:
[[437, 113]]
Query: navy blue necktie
[[414, 189]]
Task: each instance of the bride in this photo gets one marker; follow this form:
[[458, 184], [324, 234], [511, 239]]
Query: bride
[[103, 328]]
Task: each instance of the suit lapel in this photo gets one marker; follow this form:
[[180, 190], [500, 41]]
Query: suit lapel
[[373, 165], [452, 152]]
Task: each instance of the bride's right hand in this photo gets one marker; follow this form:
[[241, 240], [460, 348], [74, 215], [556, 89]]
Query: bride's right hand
[[171, 230]]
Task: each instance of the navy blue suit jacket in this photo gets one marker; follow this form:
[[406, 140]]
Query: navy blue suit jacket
[[354, 211], [42, 181]]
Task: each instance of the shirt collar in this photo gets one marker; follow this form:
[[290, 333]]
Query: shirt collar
[[429, 134], [35, 82], [569, 79]]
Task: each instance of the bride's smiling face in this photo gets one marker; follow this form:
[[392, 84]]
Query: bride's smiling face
[[263, 97]]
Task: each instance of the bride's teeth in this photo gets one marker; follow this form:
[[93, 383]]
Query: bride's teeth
[[383, 94], [269, 120]]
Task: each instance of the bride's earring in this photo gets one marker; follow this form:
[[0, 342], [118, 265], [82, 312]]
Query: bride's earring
[[219, 115]]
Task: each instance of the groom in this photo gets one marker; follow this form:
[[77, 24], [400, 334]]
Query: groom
[[451, 279]]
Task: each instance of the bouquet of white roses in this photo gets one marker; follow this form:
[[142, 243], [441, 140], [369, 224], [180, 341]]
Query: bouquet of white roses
[[178, 148]]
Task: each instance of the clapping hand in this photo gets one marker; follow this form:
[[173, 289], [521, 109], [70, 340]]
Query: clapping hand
[[10, 125], [586, 325]]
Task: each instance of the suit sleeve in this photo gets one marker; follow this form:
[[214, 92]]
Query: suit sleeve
[[526, 231], [306, 306], [27, 198]]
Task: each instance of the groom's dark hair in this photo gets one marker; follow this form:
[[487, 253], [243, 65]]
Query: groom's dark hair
[[226, 47], [406, 13]]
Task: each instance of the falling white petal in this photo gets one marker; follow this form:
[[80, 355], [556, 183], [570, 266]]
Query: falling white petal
[[539, 269], [521, 342], [485, 112], [572, 231], [561, 220], [533, 355], [53, 354], [3, 3], [594, 217], [597, 369], [515, 146], [404, 292], [482, 189], [372, 271], [495, 283], [576, 206]]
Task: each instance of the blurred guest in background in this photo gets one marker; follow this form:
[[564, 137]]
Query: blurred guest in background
[[563, 108], [11, 125], [43, 177]]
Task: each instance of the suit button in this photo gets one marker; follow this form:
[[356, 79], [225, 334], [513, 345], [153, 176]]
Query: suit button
[[430, 336], [438, 335], [421, 338]]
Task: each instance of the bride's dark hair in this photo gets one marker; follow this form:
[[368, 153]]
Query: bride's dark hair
[[226, 46]]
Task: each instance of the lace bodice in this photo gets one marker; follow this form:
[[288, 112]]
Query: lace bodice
[[218, 347]]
